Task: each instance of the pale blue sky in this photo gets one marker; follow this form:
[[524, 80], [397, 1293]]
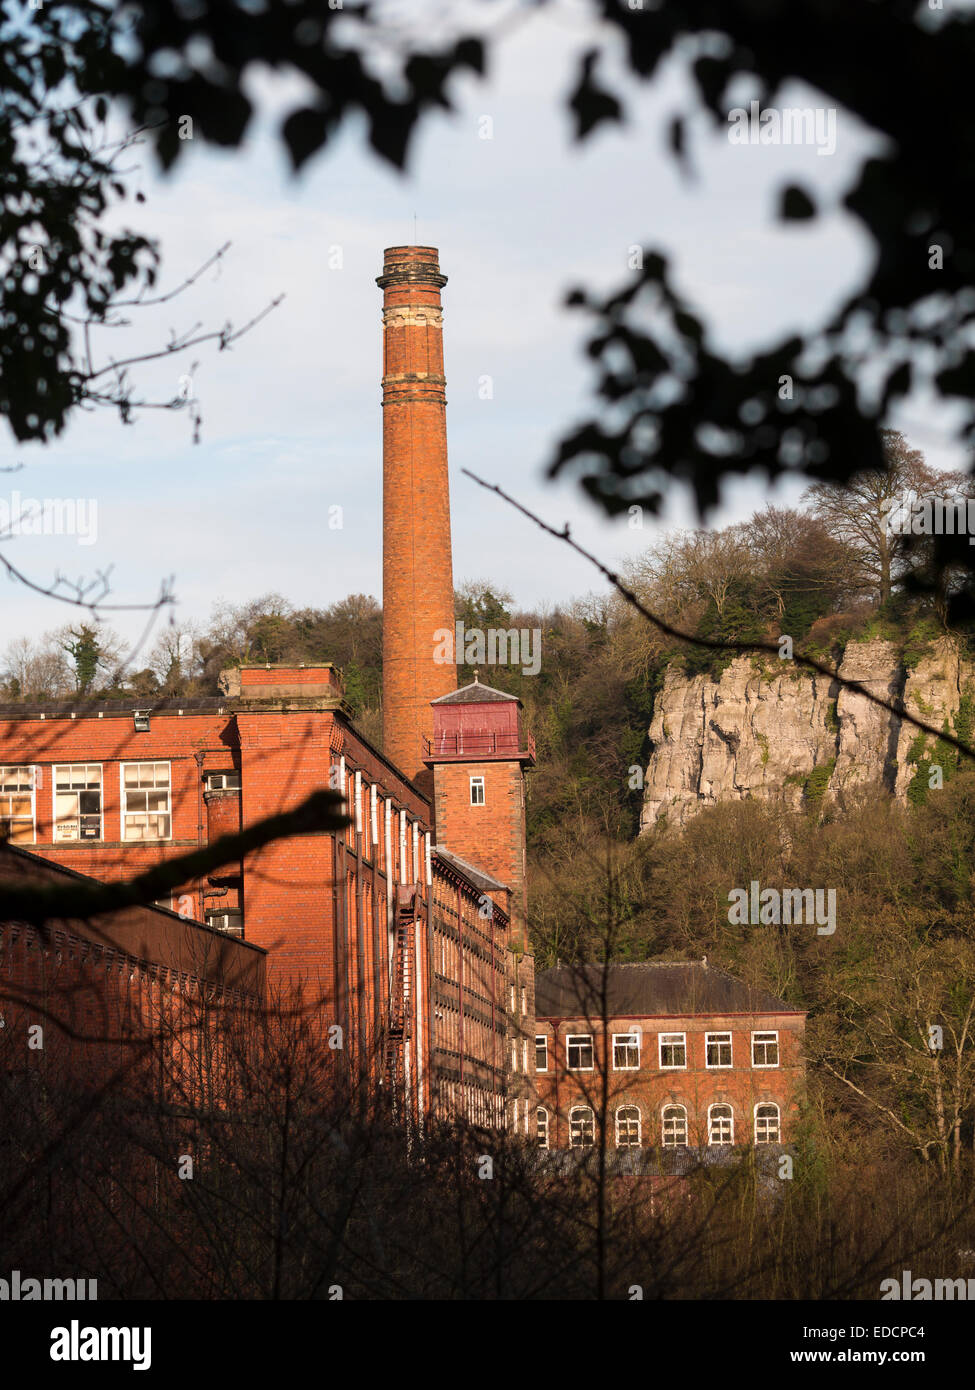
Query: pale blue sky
[[292, 419]]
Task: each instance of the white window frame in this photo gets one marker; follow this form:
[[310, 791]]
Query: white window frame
[[524, 1000], [762, 1039], [514, 1062], [223, 787], [541, 1126], [771, 1105], [543, 1039], [229, 912], [721, 1143], [76, 839], [666, 1120], [477, 784], [721, 1039], [639, 1126], [635, 1041], [123, 800], [31, 770], [579, 1040], [524, 1065], [670, 1040], [577, 1117]]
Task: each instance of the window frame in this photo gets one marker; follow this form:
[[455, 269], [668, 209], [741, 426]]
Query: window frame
[[773, 1105], [540, 1123], [477, 784], [583, 1110], [123, 801], [639, 1126], [228, 772], [664, 1120], [543, 1039], [725, 1033], [765, 1034], [722, 1143], [671, 1066], [636, 1034], [31, 770], [570, 1041], [79, 838]]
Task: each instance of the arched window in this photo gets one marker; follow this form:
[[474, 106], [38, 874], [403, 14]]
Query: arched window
[[582, 1127], [721, 1124], [767, 1126], [628, 1127], [674, 1126], [541, 1126]]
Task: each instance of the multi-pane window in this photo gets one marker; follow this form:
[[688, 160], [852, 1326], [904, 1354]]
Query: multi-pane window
[[78, 802], [17, 804], [582, 1127], [541, 1052], [721, 1124], [628, 1127], [767, 1127], [541, 1126], [578, 1048], [146, 803], [674, 1126], [477, 791], [626, 1051], [223, 781], [765, 1049], [717, 1049], [673, 1050]]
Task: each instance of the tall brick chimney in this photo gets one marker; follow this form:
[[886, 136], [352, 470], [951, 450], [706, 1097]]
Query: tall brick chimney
[[418, 591]]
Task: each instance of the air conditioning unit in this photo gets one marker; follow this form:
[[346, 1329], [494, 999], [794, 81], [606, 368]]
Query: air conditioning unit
[[230, 922]]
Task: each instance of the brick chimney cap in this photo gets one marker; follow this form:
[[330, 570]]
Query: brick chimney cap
[[411, 265]]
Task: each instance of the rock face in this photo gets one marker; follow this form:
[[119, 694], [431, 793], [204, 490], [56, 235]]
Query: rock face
[[777, 732]]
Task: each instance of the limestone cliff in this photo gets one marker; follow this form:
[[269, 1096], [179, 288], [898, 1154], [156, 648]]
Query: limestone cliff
[[773, 730]]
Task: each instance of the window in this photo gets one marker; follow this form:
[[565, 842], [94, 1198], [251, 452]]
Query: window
[[721, 1124], [223, 781], [582, 1127], [477, 791], [578, 1047], [78, 802], [524, 1056], [17, 804], [512, 998], [767, 1128], [765, 1049], [230, 922], [626, 1051], [674, 1126], [628, 1127], [717, 1049], [146, 812], [673, 1051], [541, 1126], [524, 1000], [541, 1052], [514, 1056]]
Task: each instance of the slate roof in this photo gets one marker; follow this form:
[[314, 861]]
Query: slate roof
[[476, 876], [474, 694], [650, 990]]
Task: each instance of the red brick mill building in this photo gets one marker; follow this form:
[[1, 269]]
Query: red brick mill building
[[407, 928]]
